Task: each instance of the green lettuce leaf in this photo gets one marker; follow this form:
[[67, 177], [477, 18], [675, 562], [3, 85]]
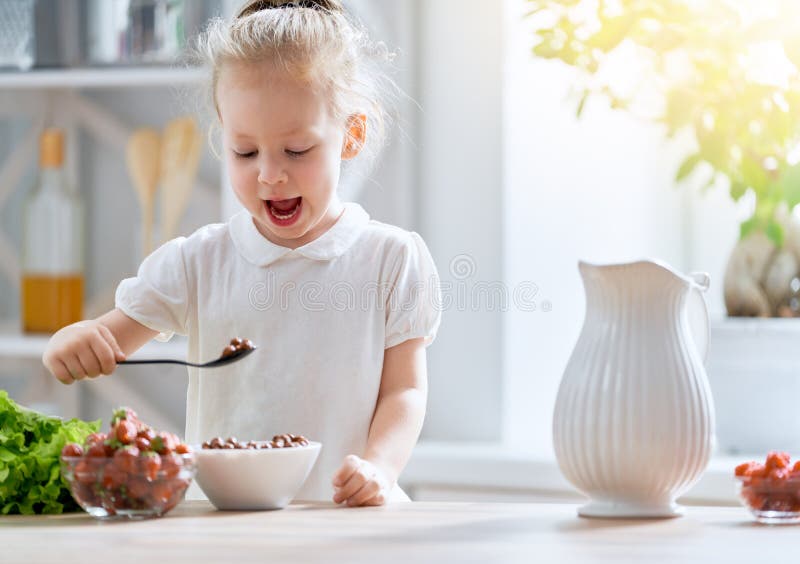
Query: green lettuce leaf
[[30, 446]]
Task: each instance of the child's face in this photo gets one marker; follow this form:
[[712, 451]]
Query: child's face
[[284, 151]]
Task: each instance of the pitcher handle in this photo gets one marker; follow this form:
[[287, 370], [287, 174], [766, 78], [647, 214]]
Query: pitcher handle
[[697, 309], [702, 279]]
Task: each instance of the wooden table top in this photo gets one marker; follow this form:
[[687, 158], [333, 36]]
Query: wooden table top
[[410, 533]]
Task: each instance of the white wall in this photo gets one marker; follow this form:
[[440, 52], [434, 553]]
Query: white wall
[[599, 189], [460, 208], [713, 230]]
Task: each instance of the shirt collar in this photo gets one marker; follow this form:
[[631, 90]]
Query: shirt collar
[[260, 251]]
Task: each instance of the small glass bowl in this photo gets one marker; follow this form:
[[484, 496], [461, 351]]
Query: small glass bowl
[[771, 501], [106, 491]]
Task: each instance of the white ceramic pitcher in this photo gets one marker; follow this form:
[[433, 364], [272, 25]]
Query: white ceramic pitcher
[[634, 420]]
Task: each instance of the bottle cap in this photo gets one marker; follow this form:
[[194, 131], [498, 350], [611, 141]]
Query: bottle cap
[[51, 148]]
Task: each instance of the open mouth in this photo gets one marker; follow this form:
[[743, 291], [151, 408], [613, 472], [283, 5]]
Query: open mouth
[[284, 212]]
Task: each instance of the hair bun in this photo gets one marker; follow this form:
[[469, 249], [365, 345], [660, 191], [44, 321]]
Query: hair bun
[[253, 6]]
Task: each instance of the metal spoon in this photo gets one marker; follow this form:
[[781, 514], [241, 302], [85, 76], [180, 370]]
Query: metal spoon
[[235, 356]]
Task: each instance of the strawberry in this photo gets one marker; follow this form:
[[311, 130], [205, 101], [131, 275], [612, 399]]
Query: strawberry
[[72, 449], [95, 438], [145, 432], [125, 431], [124, 414], [150, 464], [126, 459], [164, 443], [142, 444], [97, 450], [777, 459]]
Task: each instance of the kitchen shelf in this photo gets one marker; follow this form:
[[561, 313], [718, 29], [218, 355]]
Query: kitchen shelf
[[107, 77], [31, 347]]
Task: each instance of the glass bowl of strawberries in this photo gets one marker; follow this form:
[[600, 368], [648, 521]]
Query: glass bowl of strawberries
[[130, 472], [771, 491]]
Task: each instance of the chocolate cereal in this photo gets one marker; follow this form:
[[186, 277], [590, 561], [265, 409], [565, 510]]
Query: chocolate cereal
[[236, 345], [278, 441]]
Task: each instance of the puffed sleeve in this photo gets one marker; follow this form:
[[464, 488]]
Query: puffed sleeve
[[413, 307], [158, 296]]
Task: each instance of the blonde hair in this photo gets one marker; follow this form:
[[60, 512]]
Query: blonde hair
[[317, 42]]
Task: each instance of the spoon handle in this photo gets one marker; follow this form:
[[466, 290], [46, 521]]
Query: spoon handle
[[159, 361]]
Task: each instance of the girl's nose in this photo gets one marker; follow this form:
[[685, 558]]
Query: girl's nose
[[271, 172]]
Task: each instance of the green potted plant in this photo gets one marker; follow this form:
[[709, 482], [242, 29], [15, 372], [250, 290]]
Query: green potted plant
[[730, 80]]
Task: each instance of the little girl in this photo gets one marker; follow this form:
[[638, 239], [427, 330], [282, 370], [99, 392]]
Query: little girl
[[341, 307]]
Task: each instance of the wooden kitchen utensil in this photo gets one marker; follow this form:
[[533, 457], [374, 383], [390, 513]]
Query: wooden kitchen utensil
[[143, 157], [180, 156]]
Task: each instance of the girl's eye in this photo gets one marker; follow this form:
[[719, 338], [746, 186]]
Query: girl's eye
[[297, 153], [244, 155]]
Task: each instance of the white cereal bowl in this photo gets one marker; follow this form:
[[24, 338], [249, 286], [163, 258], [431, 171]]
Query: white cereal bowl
[[254, 479]]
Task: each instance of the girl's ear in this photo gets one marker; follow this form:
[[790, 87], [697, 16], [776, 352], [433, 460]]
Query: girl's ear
[[355, 137]]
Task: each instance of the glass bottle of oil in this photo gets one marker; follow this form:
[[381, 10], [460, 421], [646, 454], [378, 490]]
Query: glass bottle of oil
[[52, 258]]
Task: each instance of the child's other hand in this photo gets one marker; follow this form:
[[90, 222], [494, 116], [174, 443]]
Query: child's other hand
[[82, 350], [360, 482]]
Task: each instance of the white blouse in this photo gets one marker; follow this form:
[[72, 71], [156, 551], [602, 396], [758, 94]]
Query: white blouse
[[321, 315]]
